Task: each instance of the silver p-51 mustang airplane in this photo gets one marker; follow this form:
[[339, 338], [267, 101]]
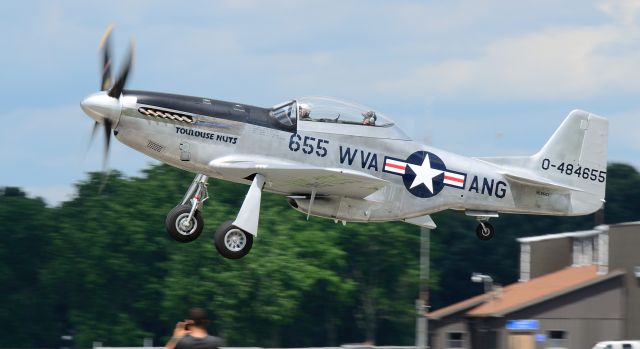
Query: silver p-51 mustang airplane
[[341, 161]]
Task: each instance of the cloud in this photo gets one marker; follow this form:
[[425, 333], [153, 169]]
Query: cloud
[[625, 11], [624, 142], [554, 63], [454, 73]]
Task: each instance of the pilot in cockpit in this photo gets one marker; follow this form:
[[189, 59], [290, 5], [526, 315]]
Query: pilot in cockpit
[[369, 118], [304, 111]]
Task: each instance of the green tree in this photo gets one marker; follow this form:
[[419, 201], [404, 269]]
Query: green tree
[[623, 194], [25, 309], [383, 262], [106, 263], [253, 299], [101, 265]]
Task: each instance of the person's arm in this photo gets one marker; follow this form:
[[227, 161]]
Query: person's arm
[[179, 332]]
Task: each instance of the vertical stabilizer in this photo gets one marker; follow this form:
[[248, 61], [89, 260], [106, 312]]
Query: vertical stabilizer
[[576, 156]]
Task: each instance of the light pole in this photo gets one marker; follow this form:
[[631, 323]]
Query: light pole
[[484, 279]]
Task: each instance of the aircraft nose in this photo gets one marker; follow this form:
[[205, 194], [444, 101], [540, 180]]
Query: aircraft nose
[[100, 106]]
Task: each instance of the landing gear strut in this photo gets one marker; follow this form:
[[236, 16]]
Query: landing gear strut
[[234, 239], [484, 231], [184, 223]]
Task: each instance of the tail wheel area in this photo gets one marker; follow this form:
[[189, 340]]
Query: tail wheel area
[[484, 231], [231, 241], [183, 226]]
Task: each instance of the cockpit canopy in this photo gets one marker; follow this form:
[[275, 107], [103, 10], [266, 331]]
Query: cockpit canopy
[[325, 109], [326, 114]]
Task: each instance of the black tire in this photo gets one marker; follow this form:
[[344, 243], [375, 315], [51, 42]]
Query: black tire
[[231, 241], [177, 231], [485, 231]]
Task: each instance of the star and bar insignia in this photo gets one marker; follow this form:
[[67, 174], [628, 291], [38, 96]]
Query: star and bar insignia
[[424, 174]]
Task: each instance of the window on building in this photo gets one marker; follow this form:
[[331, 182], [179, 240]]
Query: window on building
[[558, 339], [455, 340], [626, 346]]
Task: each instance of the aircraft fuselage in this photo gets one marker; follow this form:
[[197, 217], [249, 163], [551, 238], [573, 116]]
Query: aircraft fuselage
[[190, 132]]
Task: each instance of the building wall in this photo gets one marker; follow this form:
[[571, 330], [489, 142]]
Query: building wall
[[589, 315], [453, 323], [609, 310], [624, 253], [486, 332], [549, 255]]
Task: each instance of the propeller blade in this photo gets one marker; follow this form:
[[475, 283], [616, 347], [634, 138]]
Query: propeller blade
[[107, 142], [93, 131], [118, 85], [96, 125], [105, 159], [105, 46]]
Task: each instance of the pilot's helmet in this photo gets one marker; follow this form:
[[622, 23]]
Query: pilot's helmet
[[369, 118], [304, 110]]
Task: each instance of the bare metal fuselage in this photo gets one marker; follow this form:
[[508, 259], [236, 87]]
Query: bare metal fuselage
[[190, 133]]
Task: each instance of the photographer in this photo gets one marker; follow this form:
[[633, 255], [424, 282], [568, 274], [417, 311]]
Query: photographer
[[192, 333]]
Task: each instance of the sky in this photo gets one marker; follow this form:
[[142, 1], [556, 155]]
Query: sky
[[478, 78]]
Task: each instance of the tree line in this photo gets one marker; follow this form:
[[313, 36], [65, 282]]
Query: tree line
[[101, 267]]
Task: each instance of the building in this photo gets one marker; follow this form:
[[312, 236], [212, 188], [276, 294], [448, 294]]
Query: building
[[575, 289]]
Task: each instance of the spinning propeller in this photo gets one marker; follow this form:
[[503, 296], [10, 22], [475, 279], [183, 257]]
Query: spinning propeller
[[104, 107]]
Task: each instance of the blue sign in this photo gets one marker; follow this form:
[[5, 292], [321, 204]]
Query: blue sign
[[522, 325], [541, 337]]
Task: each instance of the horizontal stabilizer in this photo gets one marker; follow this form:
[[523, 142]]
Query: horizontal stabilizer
[[537, 181]]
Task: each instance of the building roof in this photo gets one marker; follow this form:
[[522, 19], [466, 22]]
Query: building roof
[[625, 224], [574, 234], [457, 307], [523, 294]]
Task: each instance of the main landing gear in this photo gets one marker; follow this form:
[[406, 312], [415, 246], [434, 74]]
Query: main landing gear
[[233, 239]]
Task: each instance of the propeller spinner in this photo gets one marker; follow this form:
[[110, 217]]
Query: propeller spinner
[[105, 107]]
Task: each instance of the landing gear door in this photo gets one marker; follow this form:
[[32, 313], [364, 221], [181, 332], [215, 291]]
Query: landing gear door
[[185, 151]]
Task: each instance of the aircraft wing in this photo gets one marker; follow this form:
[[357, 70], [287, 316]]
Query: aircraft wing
[[289, 177]]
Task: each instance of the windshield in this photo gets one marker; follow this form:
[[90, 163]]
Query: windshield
[[284, 114], [326, 109]]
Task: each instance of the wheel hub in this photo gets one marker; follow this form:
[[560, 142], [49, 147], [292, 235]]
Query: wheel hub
[[184, 225], [235, 240]]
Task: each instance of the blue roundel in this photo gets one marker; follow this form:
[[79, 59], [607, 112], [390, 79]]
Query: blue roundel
[[430, 169]]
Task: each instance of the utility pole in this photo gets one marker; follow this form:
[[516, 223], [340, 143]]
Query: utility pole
[[422, 303]]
